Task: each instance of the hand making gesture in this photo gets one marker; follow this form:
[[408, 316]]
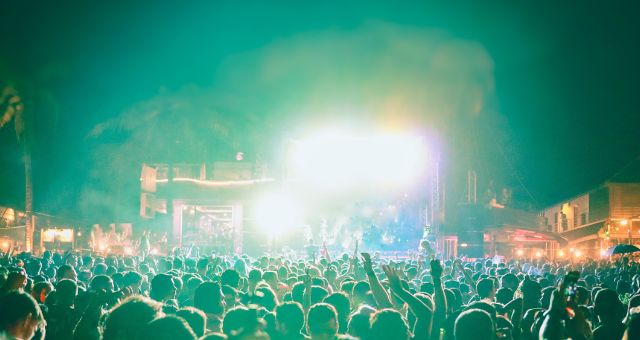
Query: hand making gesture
[[394, 278], [436, 269]]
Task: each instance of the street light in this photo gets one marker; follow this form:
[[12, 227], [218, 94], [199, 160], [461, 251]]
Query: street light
[[625, 223]]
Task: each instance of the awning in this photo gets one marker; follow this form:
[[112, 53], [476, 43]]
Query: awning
[[522, 234], [587, 230]]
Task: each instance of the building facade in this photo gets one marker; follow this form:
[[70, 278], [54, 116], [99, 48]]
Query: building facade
[[598, 219]]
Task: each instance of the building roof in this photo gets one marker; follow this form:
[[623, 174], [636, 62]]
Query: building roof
[[523, 234], [584, 231], [630, 173]]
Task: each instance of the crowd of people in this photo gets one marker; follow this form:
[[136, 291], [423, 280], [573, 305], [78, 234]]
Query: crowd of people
[[353, 296]]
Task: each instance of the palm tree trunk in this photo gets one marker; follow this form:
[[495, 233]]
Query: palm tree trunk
[[176, 234], [28, 199]]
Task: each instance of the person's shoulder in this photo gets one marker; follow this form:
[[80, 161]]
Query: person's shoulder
[[345, 337], [599, 332], [298, 336], [608, 331], [169, 309]]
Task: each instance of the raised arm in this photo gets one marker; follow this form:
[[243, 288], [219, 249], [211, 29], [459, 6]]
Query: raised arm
[[439, 298], [325, 252], [467, 278], [306, 296], [422, 312], [379, 293], [558, 323]]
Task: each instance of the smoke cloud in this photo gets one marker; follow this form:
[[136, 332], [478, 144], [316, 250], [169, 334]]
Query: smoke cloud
[[380, 73]]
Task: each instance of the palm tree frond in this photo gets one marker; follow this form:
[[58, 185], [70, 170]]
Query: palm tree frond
[[11, 107]]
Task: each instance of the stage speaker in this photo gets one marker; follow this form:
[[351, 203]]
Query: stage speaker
[[471, 244], [471, 222]]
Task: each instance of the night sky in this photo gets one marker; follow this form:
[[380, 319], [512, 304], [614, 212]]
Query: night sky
[[557, 83]]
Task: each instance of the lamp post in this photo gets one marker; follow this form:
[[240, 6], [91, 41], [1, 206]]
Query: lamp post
[[625, 223]]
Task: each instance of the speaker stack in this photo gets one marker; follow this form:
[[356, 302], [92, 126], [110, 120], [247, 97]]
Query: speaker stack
[[470, 231]]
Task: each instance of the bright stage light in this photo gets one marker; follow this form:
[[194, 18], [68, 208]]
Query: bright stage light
[[335, 160], [277, 213]]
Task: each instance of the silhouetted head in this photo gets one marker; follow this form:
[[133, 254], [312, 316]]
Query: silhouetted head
[[169, 328], [486, 289], [607, 306], [208, 298], [196, 319], [322, 321], [474, 324], [289, 318], [20, 315], [162, 288], [388, 324], [125, 321], [230, 277]]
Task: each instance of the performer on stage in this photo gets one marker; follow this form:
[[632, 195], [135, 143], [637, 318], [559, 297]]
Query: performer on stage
[[425, 249]]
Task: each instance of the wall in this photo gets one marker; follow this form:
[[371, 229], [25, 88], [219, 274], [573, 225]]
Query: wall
[[599, 203], [625, 200], [572, 210]]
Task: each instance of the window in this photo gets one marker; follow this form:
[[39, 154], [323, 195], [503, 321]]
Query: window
[[564, 221], [583, 218]]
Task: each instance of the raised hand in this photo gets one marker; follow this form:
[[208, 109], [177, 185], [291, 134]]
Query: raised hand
[[126, 292], [436, 268], [366, 258], [394, 278], [557, 301], [307, 278]]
